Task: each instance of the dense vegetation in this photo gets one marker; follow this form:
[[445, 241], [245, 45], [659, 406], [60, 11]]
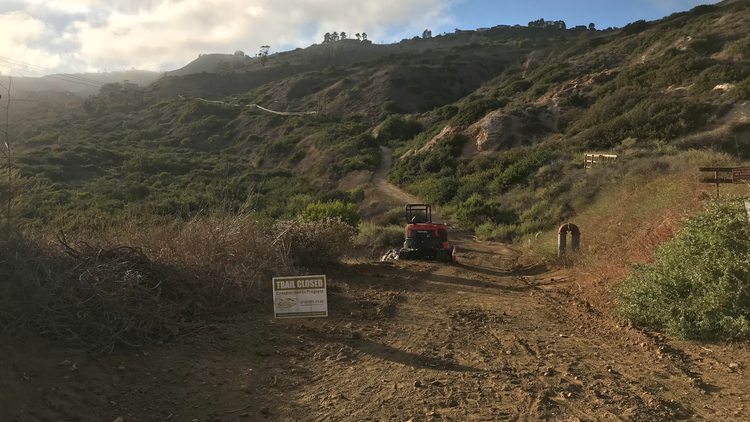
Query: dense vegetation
[[606, 102], [699, 285], [634, 92], [188, 159]]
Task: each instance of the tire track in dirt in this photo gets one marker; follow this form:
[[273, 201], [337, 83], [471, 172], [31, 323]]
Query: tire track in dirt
[[458, 346], [522, 347]]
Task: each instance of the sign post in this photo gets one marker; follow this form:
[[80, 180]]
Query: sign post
[[721, 175], [300, 297]]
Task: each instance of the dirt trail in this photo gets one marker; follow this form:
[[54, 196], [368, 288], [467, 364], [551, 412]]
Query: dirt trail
[[489, 339], [380, 180]]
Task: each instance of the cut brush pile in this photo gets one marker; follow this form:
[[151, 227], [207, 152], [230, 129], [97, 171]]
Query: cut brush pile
[[101, 297]]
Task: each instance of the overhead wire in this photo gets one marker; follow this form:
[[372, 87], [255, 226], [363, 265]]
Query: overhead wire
[[44, 69], [64, 79], [15, 66], [73, 81]]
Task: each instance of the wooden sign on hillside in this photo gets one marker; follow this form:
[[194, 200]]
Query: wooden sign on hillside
[[590, 159], [741, 175], [725, 175]]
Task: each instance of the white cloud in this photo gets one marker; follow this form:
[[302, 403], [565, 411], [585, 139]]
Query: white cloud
[[23, 36], [160, 34]]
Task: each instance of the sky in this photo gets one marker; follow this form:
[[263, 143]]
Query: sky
[[60, 36]]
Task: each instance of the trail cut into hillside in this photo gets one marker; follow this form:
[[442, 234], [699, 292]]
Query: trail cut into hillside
[[381, 184]]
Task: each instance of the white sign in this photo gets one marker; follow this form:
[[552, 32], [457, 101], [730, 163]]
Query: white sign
[[300, 297]]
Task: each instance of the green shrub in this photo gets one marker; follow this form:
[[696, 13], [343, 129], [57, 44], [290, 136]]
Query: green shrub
[[397, 128], [574, 101], [436, 190], [715, 75], [518, 171], [515, 87], [367, 160], [475, 211], [446, 112], [379, 237], [496, 232], [739, 48], [357, 195], [298, 156], [474, 109], [635, 28], [708, 44], [441, 159], [320, 211], [634, 113], [420, 140], [475, 182], [699, 284], [741, 91], [539, 89], [542, 215], [703, 9], [389, 108]]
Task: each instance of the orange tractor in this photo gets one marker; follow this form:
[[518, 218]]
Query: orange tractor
[[425, 239]]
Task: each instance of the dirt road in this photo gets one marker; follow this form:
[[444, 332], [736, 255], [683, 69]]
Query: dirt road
[[494, 338]]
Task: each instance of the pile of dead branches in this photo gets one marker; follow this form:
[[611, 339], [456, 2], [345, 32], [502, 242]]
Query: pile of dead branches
[[175, 280], [100, 297]]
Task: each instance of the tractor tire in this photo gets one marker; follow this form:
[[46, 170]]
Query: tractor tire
[[444, 255]]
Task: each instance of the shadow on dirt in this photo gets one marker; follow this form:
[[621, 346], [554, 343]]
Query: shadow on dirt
[[485, 271], [395, 276], [481, 284], [392, 354], [533, 270], [383, 351]]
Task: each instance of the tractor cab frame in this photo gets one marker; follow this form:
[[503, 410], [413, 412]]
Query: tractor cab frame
[[424, 239]]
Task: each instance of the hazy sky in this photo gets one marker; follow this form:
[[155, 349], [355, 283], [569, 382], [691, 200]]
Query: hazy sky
[[92, 35]]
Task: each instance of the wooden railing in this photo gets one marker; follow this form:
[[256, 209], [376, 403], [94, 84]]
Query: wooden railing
[[591, 159], [720, 175]]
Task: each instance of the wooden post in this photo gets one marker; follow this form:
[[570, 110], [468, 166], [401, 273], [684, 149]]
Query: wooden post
[[716, 176], [747, 211]]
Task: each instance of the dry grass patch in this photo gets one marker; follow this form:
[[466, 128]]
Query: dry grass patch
[[628, 222], [147, 282]]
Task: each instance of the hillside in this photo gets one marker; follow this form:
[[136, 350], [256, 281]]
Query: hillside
[[80, 84], [509, 153], [238, 74], [141, 228], [488, 125], [212, 63]]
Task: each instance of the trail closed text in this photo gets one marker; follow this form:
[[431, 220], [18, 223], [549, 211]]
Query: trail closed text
[[300, 297]]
